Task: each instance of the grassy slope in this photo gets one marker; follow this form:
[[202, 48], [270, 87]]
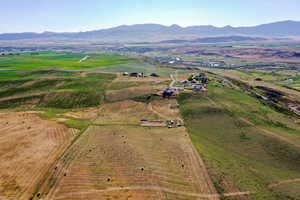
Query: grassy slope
[[279, 77], [55, 89], [238, 154], [26, 82], [29, 79]]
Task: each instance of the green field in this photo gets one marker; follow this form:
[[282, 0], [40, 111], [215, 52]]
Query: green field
[[51, 88], [58, 60], [231, 130], [49, 79]]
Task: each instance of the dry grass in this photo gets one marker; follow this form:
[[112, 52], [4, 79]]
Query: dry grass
[[125, 112], [28, 147], [167, 107], [119, 153], [127, 93]]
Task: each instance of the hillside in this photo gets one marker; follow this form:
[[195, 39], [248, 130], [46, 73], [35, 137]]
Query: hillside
[[157, 32], [102, 135]]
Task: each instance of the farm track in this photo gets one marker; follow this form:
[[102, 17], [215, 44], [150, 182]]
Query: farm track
[[150, 107], [155, 188], [173, 81], [83, 59], [284, 182]]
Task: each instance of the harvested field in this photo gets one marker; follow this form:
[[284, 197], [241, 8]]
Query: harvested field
[[119, 159], [127, 93], [168, 109], [29, 146], [122, 113]]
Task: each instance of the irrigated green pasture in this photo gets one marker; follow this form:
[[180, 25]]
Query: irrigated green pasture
[[59, 60]]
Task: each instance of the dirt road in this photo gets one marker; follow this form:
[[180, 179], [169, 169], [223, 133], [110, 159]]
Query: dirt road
[[284, 182], [173, 80], [155, 188], [83, 59]]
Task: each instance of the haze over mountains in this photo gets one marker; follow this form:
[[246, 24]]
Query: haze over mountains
[[157, 32]]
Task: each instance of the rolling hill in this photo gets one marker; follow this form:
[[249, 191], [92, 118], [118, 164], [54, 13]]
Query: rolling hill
[[157, 32]]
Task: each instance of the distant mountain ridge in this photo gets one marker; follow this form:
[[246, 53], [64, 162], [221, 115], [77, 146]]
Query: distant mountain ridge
[[157, 32], [217, 39]]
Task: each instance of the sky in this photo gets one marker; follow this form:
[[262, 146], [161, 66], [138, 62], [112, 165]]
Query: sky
[[83, 15]]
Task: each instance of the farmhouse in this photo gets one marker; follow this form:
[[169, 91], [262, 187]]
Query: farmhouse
[[140, 74], [168, 93], [154, 75], [199, 88], [258, 79], [135, 74]]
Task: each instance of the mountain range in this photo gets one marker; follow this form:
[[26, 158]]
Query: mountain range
[[157, 32]]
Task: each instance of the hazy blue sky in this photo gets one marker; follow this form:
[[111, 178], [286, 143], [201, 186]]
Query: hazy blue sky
[[80, 15]]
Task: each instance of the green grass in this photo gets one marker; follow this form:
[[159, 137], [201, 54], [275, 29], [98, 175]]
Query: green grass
[[285, 78], [291, 188], [77, 124], [51, 113], [124, 84], [145, 68], [57, 60], [235, 151], [10, 75], [55, 89]]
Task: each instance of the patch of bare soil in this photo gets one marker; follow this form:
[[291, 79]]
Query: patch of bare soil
[[153, 123], [28, 148]]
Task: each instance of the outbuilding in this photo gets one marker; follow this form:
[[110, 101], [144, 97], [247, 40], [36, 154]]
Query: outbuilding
[[258, 79], [199, 88], [135, 74], [154, 75]]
